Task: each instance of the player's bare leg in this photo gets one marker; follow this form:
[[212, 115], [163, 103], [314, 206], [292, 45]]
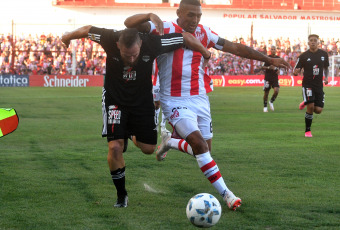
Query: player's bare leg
[[265, 101], [274, 96]]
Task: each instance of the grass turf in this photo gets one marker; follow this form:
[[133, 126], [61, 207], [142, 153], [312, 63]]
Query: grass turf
[[54, 174]]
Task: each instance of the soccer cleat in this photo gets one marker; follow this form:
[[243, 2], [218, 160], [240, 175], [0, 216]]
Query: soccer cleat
[[122, 202], [271, 106], [232, 201], [163, 147], [163, 129], [265, 109], [302, 105], [308, 134]]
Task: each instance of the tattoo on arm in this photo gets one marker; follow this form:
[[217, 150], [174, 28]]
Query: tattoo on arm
[[326, 71]]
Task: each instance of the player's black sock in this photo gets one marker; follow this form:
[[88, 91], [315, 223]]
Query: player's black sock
[[265, 103], [118, 178], [308, 121]]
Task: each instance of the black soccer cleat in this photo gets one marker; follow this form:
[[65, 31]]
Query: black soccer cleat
[[122, 202]]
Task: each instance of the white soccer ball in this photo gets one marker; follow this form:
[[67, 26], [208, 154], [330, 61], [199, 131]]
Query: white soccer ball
[[204, 210]]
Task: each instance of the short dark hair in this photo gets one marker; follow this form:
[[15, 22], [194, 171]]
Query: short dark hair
[[190, 2], [129, 37], [313, 35]]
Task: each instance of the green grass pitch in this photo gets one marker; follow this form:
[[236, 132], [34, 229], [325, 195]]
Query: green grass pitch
[[54, 173]]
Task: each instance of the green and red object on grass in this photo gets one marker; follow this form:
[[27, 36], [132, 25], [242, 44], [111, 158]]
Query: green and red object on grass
[[9, 121]]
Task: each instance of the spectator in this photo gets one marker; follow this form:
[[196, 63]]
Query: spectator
[[91, 57]]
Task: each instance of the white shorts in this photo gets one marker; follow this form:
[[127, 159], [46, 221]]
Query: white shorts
[[195, 109]]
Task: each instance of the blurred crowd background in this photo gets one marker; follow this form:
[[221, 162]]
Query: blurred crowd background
[[45, 54]]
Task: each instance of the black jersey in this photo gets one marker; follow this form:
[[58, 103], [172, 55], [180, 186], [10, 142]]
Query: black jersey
[[313, 65], [271, 74], [132, 86]]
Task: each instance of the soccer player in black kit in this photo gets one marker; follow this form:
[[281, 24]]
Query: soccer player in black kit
[[127, 99], [271, 80], [314, 63]]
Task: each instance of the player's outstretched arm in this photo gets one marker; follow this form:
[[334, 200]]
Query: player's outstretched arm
[[194, 44], [140, 21], [81, 32], [247, 52]]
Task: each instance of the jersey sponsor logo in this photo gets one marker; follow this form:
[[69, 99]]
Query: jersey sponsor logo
[[174, 114], [179, 107], [114, 115], [128, 74], [322, 58], [146, 58], [309, 92], [316, 70]]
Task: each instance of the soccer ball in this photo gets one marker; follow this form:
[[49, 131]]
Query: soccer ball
[[204, 210]]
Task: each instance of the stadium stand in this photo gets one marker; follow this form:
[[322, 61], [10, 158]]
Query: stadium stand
[[320, 5], [45, 54]]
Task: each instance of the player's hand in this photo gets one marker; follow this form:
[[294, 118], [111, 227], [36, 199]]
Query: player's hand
[[205, 63], [296, 71], [65, 40], [326, 81], [279, 62], [158, 23]]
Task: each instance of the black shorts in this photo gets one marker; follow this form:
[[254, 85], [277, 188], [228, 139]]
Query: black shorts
[[119, 122], [313, 95], [267, 85]]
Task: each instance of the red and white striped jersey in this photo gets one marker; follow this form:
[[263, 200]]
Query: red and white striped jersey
[[155, 78], [180, 71]]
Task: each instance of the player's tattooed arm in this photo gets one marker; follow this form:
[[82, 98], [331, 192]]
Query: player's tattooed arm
[[326, 72]]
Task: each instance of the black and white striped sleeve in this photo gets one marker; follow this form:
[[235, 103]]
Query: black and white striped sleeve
[[105, 37], [169, 42]]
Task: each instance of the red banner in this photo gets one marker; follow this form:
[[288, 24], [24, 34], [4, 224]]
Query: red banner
[[257, 80], [66, 80]]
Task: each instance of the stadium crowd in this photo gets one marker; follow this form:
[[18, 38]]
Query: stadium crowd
[[45, 54]]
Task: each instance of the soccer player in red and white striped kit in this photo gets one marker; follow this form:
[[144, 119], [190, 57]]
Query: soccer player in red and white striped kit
[[184, 87]]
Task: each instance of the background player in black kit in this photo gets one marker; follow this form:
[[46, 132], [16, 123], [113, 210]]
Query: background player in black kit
[[271, 80], [127, 99], [314, 63]]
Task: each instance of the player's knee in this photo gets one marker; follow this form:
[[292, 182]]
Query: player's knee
[[197, 143], [148, 149], [116, 148], [317, 110]]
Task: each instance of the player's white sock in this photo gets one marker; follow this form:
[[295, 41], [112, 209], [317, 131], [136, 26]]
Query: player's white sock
[[156, 116], [212, 172], [163, 121], [181, 145]]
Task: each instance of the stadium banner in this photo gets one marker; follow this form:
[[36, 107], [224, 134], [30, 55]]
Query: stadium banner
[[66, 80], [9, 80], [257, 80]]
